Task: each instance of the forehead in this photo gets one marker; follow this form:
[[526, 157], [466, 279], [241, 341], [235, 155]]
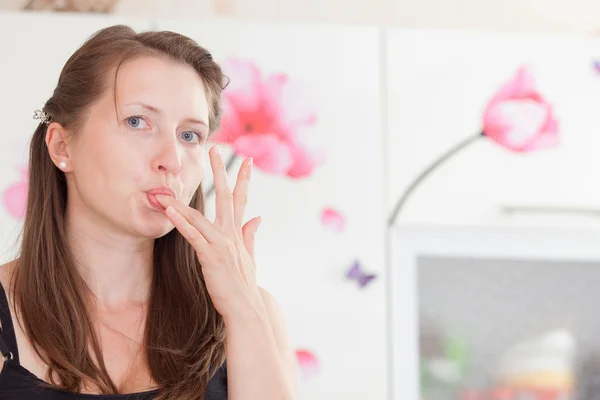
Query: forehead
[[174, 88]]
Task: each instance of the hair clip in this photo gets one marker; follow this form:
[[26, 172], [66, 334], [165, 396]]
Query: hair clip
[[43, 116]]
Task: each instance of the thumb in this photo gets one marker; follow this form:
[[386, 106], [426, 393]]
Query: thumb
[[248, 233]]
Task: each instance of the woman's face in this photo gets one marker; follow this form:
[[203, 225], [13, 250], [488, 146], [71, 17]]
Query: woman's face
[[154, 143]]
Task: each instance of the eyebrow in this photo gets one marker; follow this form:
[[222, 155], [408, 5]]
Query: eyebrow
[[157, 111]]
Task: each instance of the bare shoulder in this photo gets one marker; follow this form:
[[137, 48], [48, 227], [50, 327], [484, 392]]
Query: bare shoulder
[[5, 275], [6, 271]]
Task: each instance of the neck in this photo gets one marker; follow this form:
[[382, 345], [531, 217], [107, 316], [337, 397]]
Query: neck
[[116, 267]]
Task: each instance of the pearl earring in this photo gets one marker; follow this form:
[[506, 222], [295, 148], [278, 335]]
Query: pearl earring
[[62, 165]]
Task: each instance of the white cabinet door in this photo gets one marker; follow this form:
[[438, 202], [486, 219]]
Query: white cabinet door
[[33, 50], [300, 261], [438, 84], [494, 292]]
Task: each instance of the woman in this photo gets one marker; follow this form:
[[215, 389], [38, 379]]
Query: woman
[[122, 286]]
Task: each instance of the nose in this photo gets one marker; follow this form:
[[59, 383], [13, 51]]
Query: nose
[[168, 157]]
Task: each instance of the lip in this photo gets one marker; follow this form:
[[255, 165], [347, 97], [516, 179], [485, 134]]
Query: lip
[[164, 190], [151, 195]]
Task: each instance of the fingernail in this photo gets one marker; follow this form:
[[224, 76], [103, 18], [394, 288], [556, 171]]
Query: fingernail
[[217, 150], [171, 211], [250, 162]]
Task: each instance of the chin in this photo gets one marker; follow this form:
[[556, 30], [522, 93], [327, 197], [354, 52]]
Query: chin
[[155, 232], [158, 233], [153, 226]]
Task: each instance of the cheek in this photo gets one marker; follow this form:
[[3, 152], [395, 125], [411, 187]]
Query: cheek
[[193, 175], [111, 164], [123, 162]]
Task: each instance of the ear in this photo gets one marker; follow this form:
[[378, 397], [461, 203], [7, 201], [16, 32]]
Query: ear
[[57, 139]]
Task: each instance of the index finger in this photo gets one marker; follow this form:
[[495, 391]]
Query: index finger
[[192, 216]]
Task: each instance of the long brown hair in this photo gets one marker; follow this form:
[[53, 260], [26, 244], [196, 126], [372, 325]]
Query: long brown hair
[[184, 335]]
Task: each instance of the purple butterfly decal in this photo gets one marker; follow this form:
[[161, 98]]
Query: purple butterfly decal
[[355, 272], [596, 66]]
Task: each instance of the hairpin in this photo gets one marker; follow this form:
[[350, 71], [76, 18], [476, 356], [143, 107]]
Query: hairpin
[[43, 116]]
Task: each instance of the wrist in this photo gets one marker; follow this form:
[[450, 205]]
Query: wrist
[[246, 309]]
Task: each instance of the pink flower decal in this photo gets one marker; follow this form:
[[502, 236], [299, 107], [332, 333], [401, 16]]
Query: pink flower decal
[[15, 196], [333, 219], [308, 363], [519, 118], [264, 118]]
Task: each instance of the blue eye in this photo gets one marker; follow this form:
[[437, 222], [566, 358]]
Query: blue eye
[[136, 122], [189, 136]]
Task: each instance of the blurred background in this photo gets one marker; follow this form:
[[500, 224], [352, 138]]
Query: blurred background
[[432, 228]]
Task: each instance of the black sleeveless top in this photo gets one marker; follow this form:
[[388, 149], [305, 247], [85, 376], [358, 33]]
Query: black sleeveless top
[[18, 383]]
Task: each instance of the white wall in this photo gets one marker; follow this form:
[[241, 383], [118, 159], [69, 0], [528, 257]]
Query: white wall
[[438, 85], [514, 15]]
